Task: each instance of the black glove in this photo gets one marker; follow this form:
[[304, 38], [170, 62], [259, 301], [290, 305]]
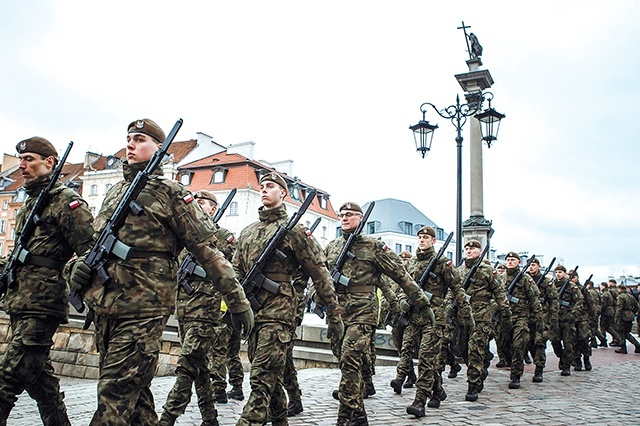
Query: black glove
[[80, 277], [243, 322], [335, 330]]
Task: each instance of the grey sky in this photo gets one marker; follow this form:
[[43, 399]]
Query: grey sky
[[334, 86]]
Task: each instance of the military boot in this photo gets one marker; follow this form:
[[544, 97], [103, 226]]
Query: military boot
[[220, 396], [566, 372], [453, 372], [621, 350], [578, 366], [436, 398], [603, 344], [343, 421], [335, 394], [369, 390], [396, 384], [359, 419], [411, 380], [167, 419], [472, 394], [637, 350], [587, 363], [515, 382], [537, 376], [294, 407], [417, 408], [210, 423], [236, 393]]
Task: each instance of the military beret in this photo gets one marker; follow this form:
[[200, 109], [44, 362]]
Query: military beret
[[427, 230], [275, 177], [206, 195], [572, 272], [473, 243], [512, 254], [535, 260], [351, 206], [622, 286], [501, 266], [404, 254], [38, 145], [148, 127], [560, 268]]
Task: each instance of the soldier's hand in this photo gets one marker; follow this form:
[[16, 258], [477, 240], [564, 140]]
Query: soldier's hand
[[243, 322], [427, 313], [404, 306], [469, 322], [80, 277], [335, 330], [394, 306]]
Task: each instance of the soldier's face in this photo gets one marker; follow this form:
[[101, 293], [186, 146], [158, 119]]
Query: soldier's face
[[208, 206], [425, 241], [271, 194], [560, 274], [349, 220], [534, 268], [472, 252], [512, 262], [33, 165], [140, 147]]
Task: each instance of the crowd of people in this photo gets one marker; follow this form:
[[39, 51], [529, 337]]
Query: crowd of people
[[441, 314]]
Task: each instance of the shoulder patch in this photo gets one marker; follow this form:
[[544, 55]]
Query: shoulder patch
[[230, 238], [187, 198], [307, 231], [74, 204], [385, 247], [449, 263], [494, 272]]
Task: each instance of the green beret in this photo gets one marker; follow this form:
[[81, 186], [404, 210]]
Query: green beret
[[351, 206], [38, 145], [560, 268], [512, 254], [275, 177], [206, 195], [148, 127], [427, 230], [535, 260], [473, 243], [404, 254]]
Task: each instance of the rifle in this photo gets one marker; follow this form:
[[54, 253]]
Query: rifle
[[564, 287], [341, 282], [20, 253], [108, 243], [469, 278], [189, 267], [403, 319], [541, 278], [255, 280], [517, 278]]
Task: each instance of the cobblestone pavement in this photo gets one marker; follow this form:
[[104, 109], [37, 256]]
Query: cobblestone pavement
[[604, 396]]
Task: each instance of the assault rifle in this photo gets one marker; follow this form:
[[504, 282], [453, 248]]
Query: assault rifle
[[428, 273], [469, 278], [108, 243], [564, 287], [20, 254], [255, 280], [341, 282], [189, 267], [516, 279], [544, 274]]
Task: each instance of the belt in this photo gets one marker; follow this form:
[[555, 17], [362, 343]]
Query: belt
[[28, 258], [142, 254], [283, 278], [360, 289], [486, 299]]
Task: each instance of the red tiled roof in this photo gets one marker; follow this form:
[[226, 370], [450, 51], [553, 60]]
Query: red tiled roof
[[179, 150]]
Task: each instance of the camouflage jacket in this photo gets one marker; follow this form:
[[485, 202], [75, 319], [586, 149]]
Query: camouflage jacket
[[65, 228], [548, 299], [371, 260], [303, 254], [626, 307], [526, 291], [590, 304], [608, 303], [597, 301], [571, 302], [145, 285], [483, 289]]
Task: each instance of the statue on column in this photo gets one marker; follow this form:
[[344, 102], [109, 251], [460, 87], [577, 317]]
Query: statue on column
[[476, 48]]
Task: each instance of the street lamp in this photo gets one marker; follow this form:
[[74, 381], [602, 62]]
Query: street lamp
[[458, 114], [489, 122]]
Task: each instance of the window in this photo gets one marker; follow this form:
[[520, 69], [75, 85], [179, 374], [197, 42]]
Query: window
[[324, 232], [185, 179], [408, 248], [13, 234], [5, 204], [93, 211], [219, 175], [398, 248], [21, 195], [93, 190], [107, 187], [233, 208], [2, 248], [323, 202], [408, 228], [338, 231], [450, 255], [3, 226], [371, 228]]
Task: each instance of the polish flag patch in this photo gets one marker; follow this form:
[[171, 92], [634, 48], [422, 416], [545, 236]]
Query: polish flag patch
[[187, 198], [308, 232], [230, 238], [74, 204], [385, 247]]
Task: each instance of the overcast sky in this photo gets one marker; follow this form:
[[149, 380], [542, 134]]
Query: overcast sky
[[334, 86]]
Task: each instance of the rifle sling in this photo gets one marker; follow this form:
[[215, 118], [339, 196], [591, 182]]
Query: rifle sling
[[282, 278], [28, 258], [485, 299], [360, 289]]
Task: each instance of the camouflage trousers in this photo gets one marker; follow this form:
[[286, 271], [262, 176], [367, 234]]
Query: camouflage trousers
[[369, 362], [25, 365], [519, 344], [624, 331], [477, 353], [607, 326], [224, 357], [129, 349], [538, 346], [195, 338], [290, 381], [583, 340], [568, 335], [267, 350], [352, 352], [503, 341], [430, 365]]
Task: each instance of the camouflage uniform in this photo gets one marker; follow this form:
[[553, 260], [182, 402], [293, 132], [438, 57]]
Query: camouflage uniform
[[502, 330], [276, 319], [626, 308], [527, 310], [607, 324], [549, 303], [484, 289], [37, 301], [131, 310], [570, 303], [372, 259], [594, 319], [290, 382], [583, 331], [430, 364]]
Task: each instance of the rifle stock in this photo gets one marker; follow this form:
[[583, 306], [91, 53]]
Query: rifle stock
[[544, 274], [564, 303], [224, 206]]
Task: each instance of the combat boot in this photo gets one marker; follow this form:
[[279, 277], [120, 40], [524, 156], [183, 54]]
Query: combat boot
[[220, 396], [411, 380], [236, 393], [167, 419], [211, 423], [369, 390], [417, 408], [621, 350], [587, 363], [396, 384], [436, 398], [637, 350], [537, 376], [578, 366], [472, 394], [515, 382], [359, 419], [566, 372], [294, 407], [334, 394], [603, 344], [453, 372]]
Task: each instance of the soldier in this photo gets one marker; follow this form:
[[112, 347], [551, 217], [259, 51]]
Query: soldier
[[583, 331], [371, 259], [484, 287], [276, 319], [607, 312], [525, 310], [626, 308], [570, 302], [594, 323], [549, 303], [197, 316], [37, 300], [613, 290], [131, 309], [444, 278]]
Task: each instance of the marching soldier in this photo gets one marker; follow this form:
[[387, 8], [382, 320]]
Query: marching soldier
[[583, 331], [37, 300], [626, 308], [132, 308], [570, 303]]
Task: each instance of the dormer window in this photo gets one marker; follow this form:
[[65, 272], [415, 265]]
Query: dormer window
[[185, 177], [219, 175]]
